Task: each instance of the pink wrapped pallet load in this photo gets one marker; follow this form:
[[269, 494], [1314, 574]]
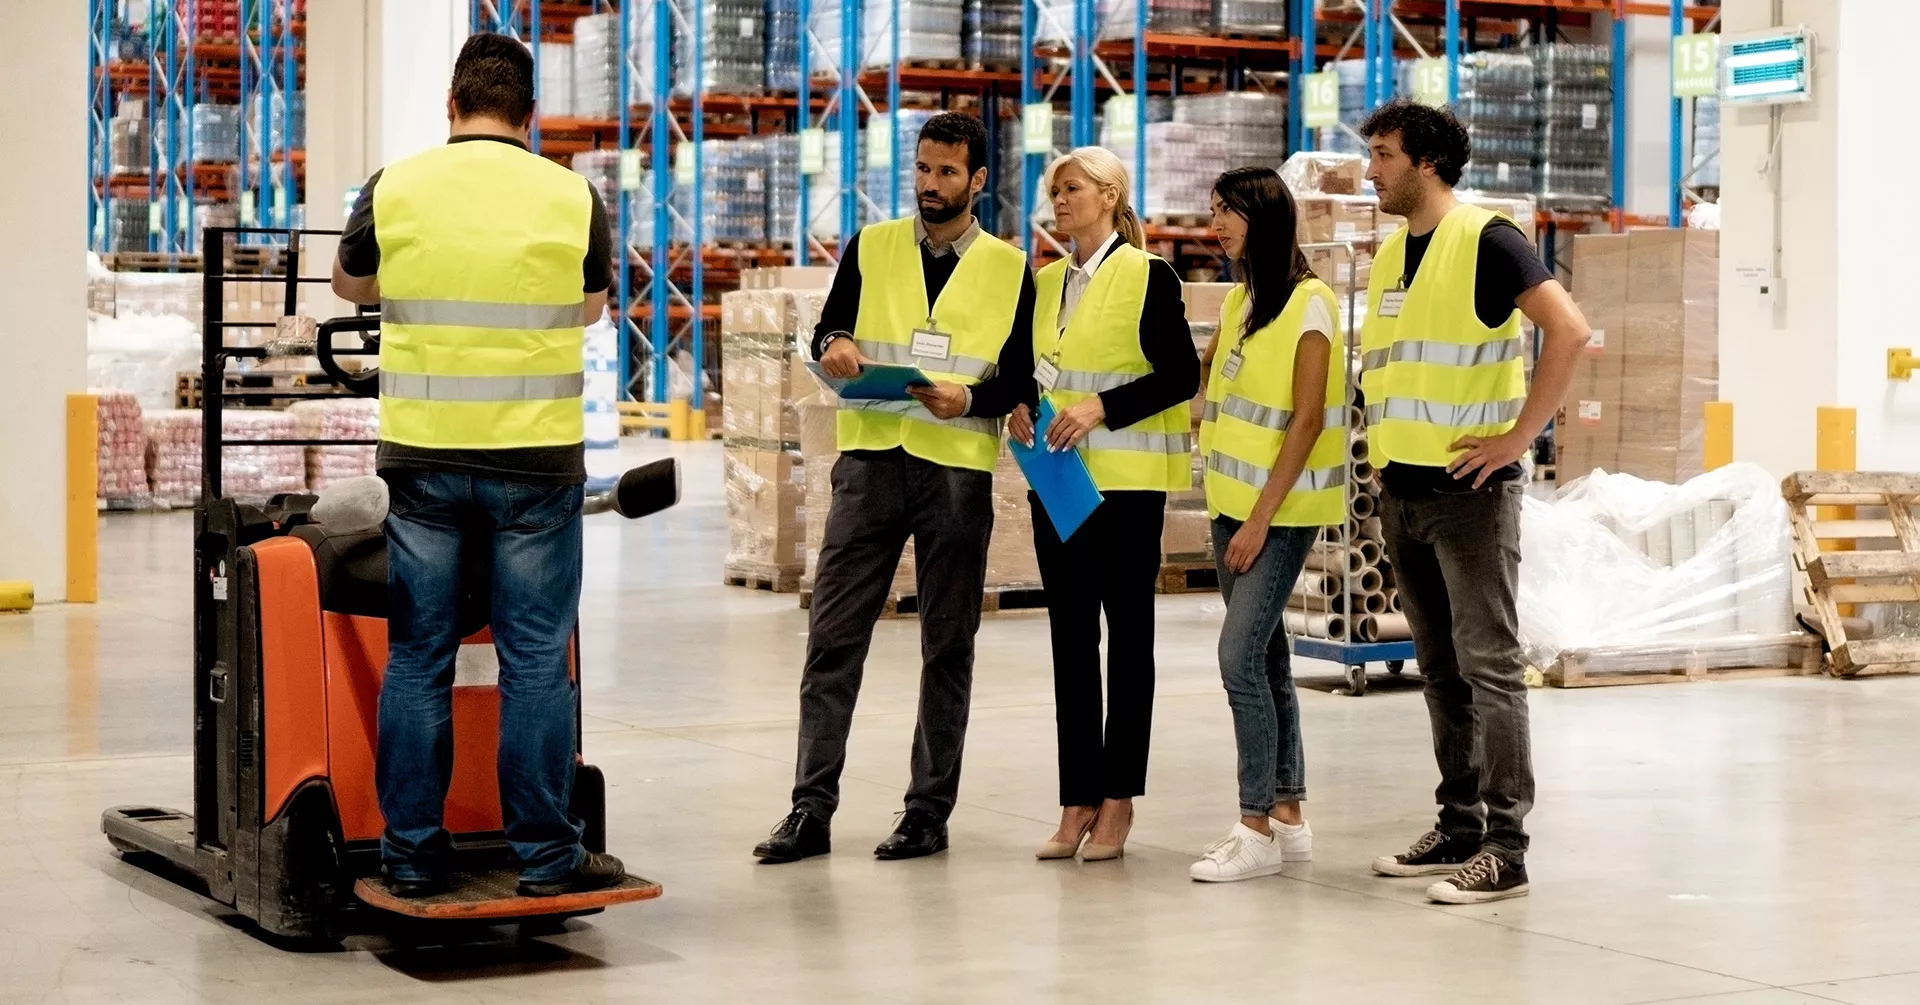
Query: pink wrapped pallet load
[[343, 419], [122, 448], [248, 472]]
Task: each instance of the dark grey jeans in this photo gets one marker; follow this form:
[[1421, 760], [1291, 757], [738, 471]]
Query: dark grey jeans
[[879, 500], [1457, 562]]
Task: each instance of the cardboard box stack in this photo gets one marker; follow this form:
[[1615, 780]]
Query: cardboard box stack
[[1636, 405], [760, 325]]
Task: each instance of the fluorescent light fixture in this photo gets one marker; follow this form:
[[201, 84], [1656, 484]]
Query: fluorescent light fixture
[[1764, 87], [1746, 60]]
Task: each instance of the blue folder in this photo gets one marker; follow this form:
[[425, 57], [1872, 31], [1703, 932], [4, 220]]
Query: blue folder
[[877, 382], [1061, 480]]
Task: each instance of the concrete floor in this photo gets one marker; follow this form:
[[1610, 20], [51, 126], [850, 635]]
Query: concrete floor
[[1739, 843]]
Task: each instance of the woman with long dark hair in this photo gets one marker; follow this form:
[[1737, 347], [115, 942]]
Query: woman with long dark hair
[[1114, 357], [1274, 443]]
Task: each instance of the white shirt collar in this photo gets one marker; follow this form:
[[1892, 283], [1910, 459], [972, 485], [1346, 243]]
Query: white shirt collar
[[1093, 262]]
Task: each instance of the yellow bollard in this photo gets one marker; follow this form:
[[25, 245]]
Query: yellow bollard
[[697, 424], [1716, 450], [83, 491], [1835, 448], [678, 424], [16, 595]]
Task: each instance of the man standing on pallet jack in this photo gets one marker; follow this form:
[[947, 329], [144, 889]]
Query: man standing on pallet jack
[[1449, 416], [937, 292], [487, 262]]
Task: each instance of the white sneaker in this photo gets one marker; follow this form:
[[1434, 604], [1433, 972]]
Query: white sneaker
[[1243, 854], [1296, 843]]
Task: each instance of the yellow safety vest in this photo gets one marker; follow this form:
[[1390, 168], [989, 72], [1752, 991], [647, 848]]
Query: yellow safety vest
[[974, 311], [481, 342], [1435, 373], [1247, 415], [1099, 351]]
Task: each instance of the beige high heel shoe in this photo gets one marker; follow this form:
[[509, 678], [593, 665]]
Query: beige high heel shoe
[[1095, 852], [1051, 850]]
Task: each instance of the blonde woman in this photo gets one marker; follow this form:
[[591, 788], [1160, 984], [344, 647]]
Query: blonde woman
[[1113, 355]]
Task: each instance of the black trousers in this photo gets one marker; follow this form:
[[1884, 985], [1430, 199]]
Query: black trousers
[[879, 500], [1111, 564]]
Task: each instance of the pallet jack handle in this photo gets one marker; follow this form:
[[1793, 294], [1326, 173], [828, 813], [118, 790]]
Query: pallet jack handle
[[365, 383]]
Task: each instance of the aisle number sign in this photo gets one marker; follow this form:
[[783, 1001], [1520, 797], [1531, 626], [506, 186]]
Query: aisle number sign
[[1122, 124], [813, 150], [629, 170], [1696, 65], [1322, 100], [1036, 128], [1430, 81], [880, 140], [683, 164]]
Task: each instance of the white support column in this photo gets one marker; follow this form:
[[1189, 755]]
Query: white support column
[[43, 280]]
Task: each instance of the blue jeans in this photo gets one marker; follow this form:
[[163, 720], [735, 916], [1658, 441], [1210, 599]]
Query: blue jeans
[[1257, 667], [531, 537]]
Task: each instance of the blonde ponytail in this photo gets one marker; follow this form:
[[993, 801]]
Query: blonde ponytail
[[1107, 171]]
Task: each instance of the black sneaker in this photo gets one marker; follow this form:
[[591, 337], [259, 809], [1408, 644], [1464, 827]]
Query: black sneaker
[[1433, 854], [800, 835], [415, 889], [918, 834], [1485, 877], [597, 871]]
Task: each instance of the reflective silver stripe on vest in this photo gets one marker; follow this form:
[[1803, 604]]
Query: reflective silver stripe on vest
[[900, 355], [1093, 381], [1267, 417], [1152, 443], [473, 314], [440, 387], [918, 413], [1256, 476], [1443, 353], [1439, 414]]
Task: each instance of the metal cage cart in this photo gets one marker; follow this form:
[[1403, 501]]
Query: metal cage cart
[[1344, 607]]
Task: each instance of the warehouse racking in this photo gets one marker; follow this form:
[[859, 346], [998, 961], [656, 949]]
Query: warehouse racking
[[170, 77]]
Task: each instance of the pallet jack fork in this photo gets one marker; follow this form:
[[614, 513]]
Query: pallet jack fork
[[289, 645]]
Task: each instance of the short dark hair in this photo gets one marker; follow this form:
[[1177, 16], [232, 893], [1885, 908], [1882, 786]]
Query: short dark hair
[[494, 77], [1427, 134], [954, 128]]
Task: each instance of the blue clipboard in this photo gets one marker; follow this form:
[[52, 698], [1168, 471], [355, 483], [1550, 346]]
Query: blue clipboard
[[1061, 480], [877, 382]]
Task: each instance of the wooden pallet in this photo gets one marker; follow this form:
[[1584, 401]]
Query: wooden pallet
[[758, 576], [1191, 221], [1187, 577], [1871, 561], [1682, 663], [150, 261], [1276, 34], [996, 598]]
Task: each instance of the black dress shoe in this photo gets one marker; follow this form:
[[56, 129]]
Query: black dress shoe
[[918, 834], [800, 835], [597, 871], [414, 889]]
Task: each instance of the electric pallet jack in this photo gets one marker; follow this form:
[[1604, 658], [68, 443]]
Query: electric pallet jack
[[290, 639]]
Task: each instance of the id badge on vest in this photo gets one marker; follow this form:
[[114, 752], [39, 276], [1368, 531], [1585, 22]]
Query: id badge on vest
[[1046, 373], [931, 343], [1391, 301], [1231, 369]]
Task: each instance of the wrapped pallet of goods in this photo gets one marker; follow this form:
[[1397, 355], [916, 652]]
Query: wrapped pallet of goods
[[337, 419], [252, 473], [122, 455]]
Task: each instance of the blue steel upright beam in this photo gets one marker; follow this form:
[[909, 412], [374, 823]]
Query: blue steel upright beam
[[623, 270], [533, 43], [1676, 171], [1081, 79], [1029, 171], [1368, 29], [697, 329], [850, 58], [1139, 99], [1619, 159], [1309, 59], [1383, 49], [1453, 51], [803, 202], [893, 115], [289, 89], [660, 112], [99, 123]]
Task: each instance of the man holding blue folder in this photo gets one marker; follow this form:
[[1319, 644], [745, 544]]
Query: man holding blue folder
[[935, 292]]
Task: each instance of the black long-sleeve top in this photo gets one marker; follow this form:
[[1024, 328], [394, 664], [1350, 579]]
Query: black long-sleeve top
[[1168, 345], [993, 398]]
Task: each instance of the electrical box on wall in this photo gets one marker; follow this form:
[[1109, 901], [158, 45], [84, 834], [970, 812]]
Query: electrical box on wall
[[1769, 67]]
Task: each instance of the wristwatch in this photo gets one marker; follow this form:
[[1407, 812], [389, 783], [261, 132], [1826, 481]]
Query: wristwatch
[[831, 337]]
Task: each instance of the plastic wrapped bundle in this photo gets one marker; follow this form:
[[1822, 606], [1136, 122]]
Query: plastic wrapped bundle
[[123, 447], [128, 147], [1180, 17], [734, 193], [252, 473], [1256, 124], [216, 133], [823, 193], [1614, 561], [1496, 105], [278, 122], [1573, 90], [1263, 18], [1706, 143], [906, 137], [733, 58], [990, 32], [600, 400], [783, 185], [596, 67], [1183, 160], [337, 419], [783, 45], [602, 168], [127, 227], [556, 78], [929, 31]]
